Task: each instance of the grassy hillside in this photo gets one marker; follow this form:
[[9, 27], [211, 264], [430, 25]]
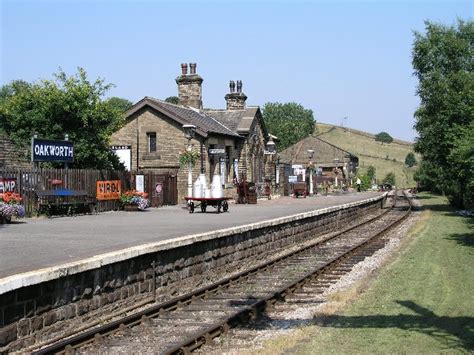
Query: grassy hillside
[[385, 158]]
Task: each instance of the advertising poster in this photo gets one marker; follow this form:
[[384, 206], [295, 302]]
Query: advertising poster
[[140, 183], [108, 190]]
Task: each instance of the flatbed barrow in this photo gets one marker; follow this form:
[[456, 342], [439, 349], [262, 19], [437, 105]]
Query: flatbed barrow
[[220, 202]]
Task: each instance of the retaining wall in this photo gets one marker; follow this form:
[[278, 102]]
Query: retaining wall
[[38, 305]]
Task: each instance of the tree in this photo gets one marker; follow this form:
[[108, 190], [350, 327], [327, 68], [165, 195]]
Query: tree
[[72, 105], [371, 172], [290, 122], [410, 159], [443, 63], [427, 177], [384, 137], [7, 91], [462, 157], [365, 182], [389, 179], [172, 100], [119, 103]]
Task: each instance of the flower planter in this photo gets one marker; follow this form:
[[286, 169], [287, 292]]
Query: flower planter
[[131, 208], [5, 219], [134, 201]]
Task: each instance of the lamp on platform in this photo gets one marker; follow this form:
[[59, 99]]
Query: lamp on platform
[[189, 131], [310, 167]]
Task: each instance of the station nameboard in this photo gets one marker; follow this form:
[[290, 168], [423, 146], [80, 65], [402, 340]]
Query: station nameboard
[[51, 150], [108, 190]]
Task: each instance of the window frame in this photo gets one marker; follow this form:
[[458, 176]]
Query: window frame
[[149, 136]]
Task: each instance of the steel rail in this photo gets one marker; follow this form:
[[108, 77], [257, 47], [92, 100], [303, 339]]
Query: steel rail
[[88, 336], [251, 311]]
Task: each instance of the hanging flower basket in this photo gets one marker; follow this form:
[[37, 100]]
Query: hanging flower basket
[[188, 156], [10, 207]]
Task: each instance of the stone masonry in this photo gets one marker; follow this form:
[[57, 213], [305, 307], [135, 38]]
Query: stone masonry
[[190, 87], [11, 156], [32, 314]]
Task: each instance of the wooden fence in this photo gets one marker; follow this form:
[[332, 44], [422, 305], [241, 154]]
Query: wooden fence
[[29, 181], [161, 188]]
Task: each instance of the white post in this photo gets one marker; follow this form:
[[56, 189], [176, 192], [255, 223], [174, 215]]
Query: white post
[[310, 181], [190, 180]]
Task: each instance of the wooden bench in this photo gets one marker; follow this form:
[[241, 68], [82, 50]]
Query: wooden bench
[[64, 201]]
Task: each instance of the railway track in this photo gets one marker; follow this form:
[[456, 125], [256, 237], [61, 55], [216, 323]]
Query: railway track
[[187, 322]]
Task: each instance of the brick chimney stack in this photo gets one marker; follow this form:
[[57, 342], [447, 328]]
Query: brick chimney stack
[[235, 99], [189, 86]]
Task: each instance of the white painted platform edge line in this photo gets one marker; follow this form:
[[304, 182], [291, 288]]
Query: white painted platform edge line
[[29, 278]]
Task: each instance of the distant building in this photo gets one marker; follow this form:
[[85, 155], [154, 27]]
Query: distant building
[[325, 157]]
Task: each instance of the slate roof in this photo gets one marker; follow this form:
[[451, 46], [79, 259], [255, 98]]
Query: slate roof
[[204, 123], [324, 152], [239, 121]]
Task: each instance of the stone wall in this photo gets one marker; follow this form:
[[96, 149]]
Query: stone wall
[[32, 314], [170, 142], [11, 156]]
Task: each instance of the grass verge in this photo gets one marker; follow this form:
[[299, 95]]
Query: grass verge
[[423, 302]]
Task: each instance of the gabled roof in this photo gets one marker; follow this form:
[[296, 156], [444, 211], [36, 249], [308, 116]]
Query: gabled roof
[[204, 123], [239, 121], [324, 152]]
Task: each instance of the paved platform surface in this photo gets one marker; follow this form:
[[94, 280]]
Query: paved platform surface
[[38, 243]]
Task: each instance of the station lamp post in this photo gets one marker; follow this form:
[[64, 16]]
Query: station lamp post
[[336, 170], [277, 171], [189, 131], [270, 151], [310, 154]]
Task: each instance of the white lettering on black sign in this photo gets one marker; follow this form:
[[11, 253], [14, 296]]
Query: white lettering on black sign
[[53, 151], [49, 150]]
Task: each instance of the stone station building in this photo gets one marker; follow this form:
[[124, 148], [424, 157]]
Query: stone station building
[[154, 131], [326, 159]]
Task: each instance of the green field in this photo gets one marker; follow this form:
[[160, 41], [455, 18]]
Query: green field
[[422, 302], [384, 157]]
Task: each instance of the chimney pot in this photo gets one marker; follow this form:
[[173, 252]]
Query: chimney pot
[[184, 68], [239, 86], [232, 86], [193, 68]]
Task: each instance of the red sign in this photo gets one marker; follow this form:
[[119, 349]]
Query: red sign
[[159, 188], [108, 189], [7, 185]]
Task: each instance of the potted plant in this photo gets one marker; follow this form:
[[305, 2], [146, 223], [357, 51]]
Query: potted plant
[[133, 200], [10, 206]]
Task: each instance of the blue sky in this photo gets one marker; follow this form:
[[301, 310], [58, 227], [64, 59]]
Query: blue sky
[[339, 58]]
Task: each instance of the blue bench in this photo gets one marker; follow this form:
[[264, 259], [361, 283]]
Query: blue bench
[[64, 201]]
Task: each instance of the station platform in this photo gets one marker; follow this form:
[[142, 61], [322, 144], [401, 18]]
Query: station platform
[[38, 244]]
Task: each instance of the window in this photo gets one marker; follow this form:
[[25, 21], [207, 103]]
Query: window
[[151, 142]]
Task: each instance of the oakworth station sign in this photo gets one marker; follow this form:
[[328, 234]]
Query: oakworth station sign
[[51, 150]]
